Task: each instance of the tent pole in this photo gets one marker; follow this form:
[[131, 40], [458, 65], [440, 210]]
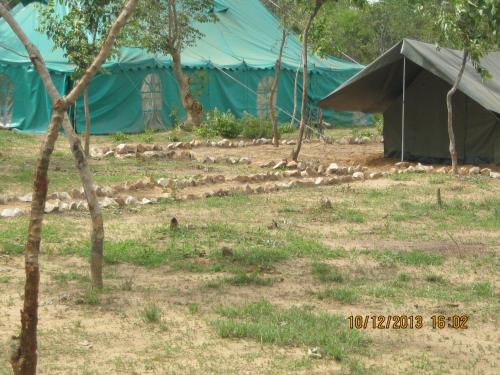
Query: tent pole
[[403, 112]]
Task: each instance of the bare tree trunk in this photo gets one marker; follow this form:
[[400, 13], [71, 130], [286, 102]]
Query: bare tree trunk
[[24, 355], [24, 348], [449, 104], [87, 121], [305, 80], [97, 234], [193, 107], [295, 95], [272, 94]]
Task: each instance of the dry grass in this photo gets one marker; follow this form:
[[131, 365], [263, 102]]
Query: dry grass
[[385, 248]]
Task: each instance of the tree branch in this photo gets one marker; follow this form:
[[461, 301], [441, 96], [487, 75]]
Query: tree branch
[[104, 53]]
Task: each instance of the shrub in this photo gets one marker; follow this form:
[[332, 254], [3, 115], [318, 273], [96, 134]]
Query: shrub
[[204, 131], [223, 123], [147, 136], [120, 137], [254, 128], [287, 128]]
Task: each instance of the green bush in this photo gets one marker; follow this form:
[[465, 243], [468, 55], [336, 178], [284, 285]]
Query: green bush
[[223, 124], [120, 137], [254, 128], [205, 131], [287, 128]]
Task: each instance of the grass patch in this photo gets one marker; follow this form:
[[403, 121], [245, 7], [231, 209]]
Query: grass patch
[[151, 314], [5, 279], [248, 279], [343, 295], [327, 273], [91, 297], [64, 277], [413, 257], [438, 279], [295, 326]]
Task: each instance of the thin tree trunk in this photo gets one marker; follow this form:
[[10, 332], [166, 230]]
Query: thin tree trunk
[[193, 107], [449, 104], [272, 94], [97, 233], [295, 95], [305, 80], [24, 351], [87, 121], [24, 348]]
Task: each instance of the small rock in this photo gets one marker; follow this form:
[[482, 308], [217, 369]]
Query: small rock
[[51, 207], [442, 170], [332, 168], [146, 201], [108, 202], [123, 148], [165, 182], [281, 164], [319, 181], [292, 165], [291, 143], [495, 175], [26, 198], [474, 171], [11, 212], [402, 164], [314, 353], [485, 171], [375, 175], [358, 176], [224, 143], [244, 160], [130, 201]]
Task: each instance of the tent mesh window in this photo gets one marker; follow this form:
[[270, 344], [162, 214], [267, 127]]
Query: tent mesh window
[[6, 100], [152, 102], [263, 94]]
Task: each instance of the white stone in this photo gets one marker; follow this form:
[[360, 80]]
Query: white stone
[[123, 148], [281, 164], [495, 175], [374, 176], [244, 160], [26, 198], [164, 182], [319, 181], [51, 207], [108, 202], [402, 164], [146, 201], [11, 212], [65, 196], [358, 176], [129, 201], [474, 171], [332, 168]]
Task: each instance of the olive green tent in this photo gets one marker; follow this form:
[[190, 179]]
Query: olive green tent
[[232, 68], [408, 84]]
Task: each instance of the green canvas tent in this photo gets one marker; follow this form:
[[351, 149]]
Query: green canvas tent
[[232, 68], [420, 75]]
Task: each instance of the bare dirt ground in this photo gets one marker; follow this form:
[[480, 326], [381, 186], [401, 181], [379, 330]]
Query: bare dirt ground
[[396, 252]]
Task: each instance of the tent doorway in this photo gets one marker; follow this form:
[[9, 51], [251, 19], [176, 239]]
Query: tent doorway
[[152, 102], [6, 100]]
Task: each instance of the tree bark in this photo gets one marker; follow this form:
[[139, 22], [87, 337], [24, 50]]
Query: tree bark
[[305, 80], [193, 107], [87, 121], [295, 95], [449, 105], [24, 355], [97, 233], [272, 112]]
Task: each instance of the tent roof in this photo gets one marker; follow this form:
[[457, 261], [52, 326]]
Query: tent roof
[[247, 34], [376, 86]]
